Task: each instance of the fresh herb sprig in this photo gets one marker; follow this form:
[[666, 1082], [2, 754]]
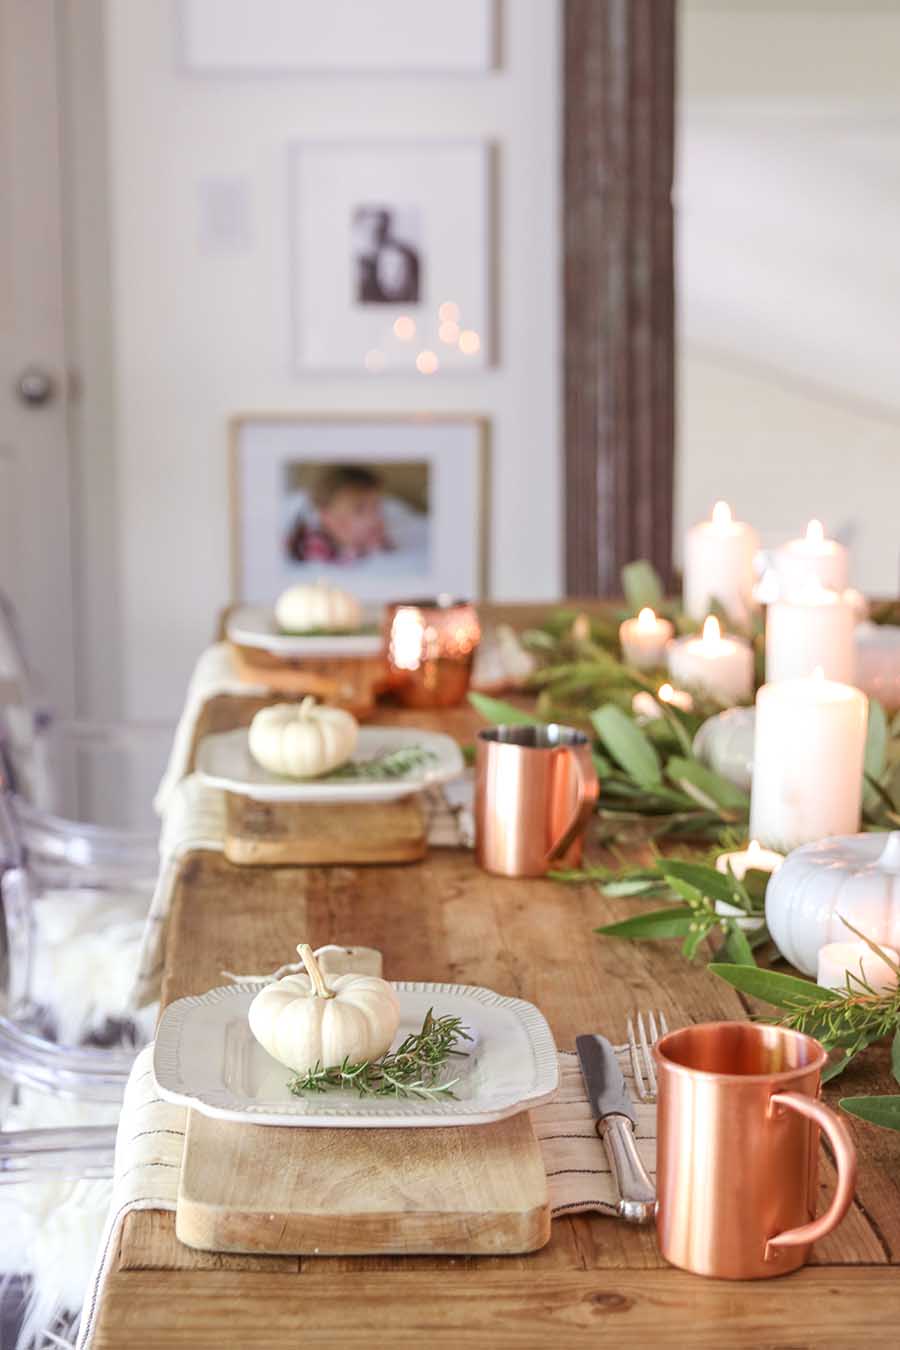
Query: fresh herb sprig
[[399, 763], [412, 1070]]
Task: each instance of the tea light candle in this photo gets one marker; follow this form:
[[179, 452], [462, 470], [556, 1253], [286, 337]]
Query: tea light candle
[[718, 565], [838, 960], [644, 639], [877, 652], [720, 666], [753, 858], [646, 708], [811, 560], [812, 628], [807, 761]]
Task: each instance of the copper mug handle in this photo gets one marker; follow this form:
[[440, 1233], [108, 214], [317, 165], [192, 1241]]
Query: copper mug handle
[[844, 1155], [588, 787]]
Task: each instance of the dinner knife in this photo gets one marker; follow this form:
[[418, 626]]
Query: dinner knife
[[614, 1121]]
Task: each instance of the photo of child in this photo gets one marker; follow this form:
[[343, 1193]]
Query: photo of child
[[357, 516]]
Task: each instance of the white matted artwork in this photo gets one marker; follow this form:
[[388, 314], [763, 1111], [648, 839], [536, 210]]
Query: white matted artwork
[[390, 257], [272, 36], [384, 507]]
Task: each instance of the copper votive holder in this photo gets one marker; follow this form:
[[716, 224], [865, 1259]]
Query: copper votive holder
[[430, 648]]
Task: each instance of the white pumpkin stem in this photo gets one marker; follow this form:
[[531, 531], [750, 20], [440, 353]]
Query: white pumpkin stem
[[306, 706], [314, 971]]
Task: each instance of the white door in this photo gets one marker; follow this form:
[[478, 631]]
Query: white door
[[35, 545]]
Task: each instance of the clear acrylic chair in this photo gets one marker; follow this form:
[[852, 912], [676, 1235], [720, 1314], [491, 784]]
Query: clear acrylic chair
[[81, 791]]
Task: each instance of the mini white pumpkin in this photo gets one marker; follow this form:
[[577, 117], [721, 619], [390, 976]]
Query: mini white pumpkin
[[302, 740], [725, 743], [303, 1021], [854, 877], [309, 606]]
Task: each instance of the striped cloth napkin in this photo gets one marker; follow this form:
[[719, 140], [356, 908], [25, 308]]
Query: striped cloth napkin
[[150, 1143]]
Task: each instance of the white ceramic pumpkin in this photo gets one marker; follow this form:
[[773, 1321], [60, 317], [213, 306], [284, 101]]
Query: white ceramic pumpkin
[[302, 740], [302, 1020], [854, 877], [725, 743], [303, 608]]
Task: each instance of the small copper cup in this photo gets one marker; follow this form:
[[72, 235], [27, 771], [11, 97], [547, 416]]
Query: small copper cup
[[738, 1150], [430, 648], [535, 790]]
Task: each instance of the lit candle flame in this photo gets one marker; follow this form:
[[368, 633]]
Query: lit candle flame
[[666, 693], [646, 620], [815, 532], [721, 514], [753, 849], [711, 630], [819, 674]]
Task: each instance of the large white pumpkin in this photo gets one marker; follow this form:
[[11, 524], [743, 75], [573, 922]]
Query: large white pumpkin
[[303, 608], [302, 740], [854, 876], [302, 1020], [725, 743]]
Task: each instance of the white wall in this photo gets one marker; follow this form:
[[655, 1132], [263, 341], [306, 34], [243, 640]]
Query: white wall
[[201, 335], [788, 213]]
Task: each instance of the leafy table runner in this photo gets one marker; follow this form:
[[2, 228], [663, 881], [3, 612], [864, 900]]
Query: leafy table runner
[[150, 1144]]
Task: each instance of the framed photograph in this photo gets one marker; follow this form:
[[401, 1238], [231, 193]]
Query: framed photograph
[[385, 507], [390, 257], [281, 36]]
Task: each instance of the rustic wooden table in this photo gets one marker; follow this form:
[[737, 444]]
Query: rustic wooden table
[[443, 919]]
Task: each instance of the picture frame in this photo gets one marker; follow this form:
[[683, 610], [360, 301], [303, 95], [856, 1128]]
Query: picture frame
[[386, 506], [390, 257], [271, 37]]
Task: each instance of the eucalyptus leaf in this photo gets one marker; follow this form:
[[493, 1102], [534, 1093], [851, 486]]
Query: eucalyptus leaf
[[696, 934], [642, 586], [657, 923], [737, 948], [501, 713], [690, 773], [632, 886], [875, 758], [627, 744], [883, 1111], [704, 879], [784, 991]]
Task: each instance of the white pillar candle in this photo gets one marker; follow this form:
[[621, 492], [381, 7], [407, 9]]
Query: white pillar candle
[[718, 565], [877, 652], [646, 708], [810, 630], [721, 667], [838, 960], [807, 761], [811, 560], [644, 640]]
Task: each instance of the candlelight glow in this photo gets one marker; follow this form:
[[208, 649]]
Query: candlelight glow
[[448, 312], [449, 332], [711, 630], [404, 328], [426, 362], [753, 849], [407, 639], [666, 693], [374, 360], [721, 514], [469, 342], [646, 620], [815, 532], [819, 674]]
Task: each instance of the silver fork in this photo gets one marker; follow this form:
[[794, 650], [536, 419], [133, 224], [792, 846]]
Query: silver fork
[[641, 1041]]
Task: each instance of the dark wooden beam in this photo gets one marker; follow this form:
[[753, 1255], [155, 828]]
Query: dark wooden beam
[[619, 288]]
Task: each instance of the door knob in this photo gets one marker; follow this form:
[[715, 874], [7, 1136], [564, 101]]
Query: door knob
[[35, 386]]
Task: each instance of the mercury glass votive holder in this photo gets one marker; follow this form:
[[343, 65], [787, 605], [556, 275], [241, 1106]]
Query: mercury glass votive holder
[[430, 648]]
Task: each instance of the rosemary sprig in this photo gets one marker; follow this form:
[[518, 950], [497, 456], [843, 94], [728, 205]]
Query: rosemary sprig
[[389, 764], [411, 1070]]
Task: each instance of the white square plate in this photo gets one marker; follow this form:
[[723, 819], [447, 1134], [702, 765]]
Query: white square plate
[[207, 1058], [256, 626], [224, 761]]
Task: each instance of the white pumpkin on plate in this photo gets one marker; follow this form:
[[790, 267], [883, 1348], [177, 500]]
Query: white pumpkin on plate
[[310, 606], [304, 1020], [854, 877], [725, 744], [302, 740]]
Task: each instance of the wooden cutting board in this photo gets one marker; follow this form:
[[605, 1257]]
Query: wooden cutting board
[[316, 833], [464, 1190]]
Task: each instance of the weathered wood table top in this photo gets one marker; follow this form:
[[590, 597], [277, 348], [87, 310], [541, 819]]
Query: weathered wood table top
[[443, 919]]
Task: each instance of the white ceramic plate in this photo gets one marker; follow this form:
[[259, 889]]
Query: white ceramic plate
[[224, 761], [255, 626], [206, 1057]]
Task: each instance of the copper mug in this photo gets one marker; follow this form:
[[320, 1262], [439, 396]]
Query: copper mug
[[738, 1126], [535, 791]]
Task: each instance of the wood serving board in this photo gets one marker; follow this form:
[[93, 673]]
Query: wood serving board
[[351, 682], [478, 1189], [317, 833]]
